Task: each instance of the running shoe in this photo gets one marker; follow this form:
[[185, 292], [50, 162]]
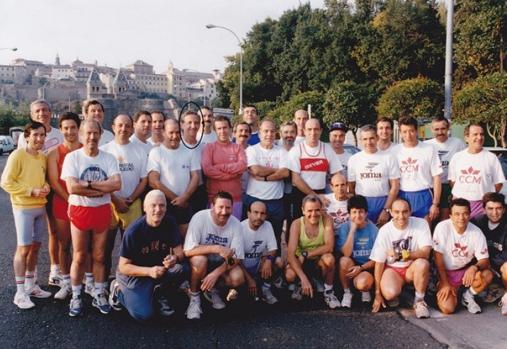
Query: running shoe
[[366, 297], [114, 302], [37, 292], [421, 310], [296, 294], [503, 304], [90, 289], [331, 300], [100, 302], [468, 300], [55, 279], [194, 308], [214, 298], [75, 306], [347, 300], [165, 309], [267, 296], [23, 301], [64, 292]]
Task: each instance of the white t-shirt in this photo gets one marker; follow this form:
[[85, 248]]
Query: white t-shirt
[[344, 159], [174, 166], [337, 210], [390, 239], [203, 231], [83, 167], [313, 164], [208, 138], [145, 146], [53, 139], [417, 166], [445, 153], [276, 157], [152, 142], [257, 242], [372, 173], [388, 150], [132, 163], [459, 249], [474, 174]]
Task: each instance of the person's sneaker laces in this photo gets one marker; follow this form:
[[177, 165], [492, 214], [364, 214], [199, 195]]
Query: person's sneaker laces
[[114, 302], [296, 294], [22, 300], [365, 297], [37, 292], [268, 297], [347, 300], [165, 309], [100, 302], [421, 310], [194, 308], [331, 300], [468, 301], [54, 279], [503, 304], [64, 292], [75, 306], [214, 298]]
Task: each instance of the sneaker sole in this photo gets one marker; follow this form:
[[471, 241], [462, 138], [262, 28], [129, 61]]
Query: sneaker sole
[[40, 296], [24, 308], [75, 314]]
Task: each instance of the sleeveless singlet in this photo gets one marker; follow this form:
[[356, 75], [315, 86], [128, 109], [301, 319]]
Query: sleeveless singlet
[[307, 244]]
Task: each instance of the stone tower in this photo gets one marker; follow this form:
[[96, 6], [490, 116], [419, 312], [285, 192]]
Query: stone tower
[[93, 86]]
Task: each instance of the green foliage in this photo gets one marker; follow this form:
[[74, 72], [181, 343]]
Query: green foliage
[[11, 116], [285, 111], [264, 107], [485, 101], [350, 103], [420, 97]]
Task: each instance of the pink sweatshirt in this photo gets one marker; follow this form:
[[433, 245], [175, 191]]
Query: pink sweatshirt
[[223, 165]]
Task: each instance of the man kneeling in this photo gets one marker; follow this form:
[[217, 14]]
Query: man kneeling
[[214, 245], [355, 240], [310, 251], [149, 262], [458, 244]]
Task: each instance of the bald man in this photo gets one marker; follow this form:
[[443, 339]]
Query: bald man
[[300, 118], [336, 202], [151, 257]]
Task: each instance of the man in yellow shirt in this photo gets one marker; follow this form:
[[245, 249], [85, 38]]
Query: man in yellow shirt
[[24, 178]]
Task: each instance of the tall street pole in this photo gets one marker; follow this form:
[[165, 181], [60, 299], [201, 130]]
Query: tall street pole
[[448, 60]]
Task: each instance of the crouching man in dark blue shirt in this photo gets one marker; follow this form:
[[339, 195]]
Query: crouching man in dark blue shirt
[[151, 262]]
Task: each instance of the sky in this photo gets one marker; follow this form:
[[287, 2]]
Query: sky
[[118, 32]]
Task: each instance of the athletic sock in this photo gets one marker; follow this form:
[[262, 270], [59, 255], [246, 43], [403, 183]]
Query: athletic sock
[[472, 291], [99, 288], [66, 279], [266, 285], [20, 284], [54, 269], [194, 295], [89, 278], [345, 290], [29, 279], [291, 287], [419, 296], [328, 287], [76, 291]]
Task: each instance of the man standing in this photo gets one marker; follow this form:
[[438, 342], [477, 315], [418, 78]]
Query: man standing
[[174, 170], [420, 171], [223, 163], [214, 246], [494, 226], [157, 128], [40, 111], [446, 147], [355, 240], [142, 130], [310, 162], [461, 258], [475, 171], [91, 175], [401, 253], [151, 261], [251, 117], [374, 175], [94, 110], [337, 133], [288, 132], [300, 118], [260, 251], [208, 135], [385, 128], [310, 251], [69, 126], [267, 165], [24, 178]]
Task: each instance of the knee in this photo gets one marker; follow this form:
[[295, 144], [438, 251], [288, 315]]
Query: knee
[[79, 257], [421, 265], [23, 251], [447, 307], [346, 263], [98, 257], [327, 260], [503, 270], [236, 277], [35, 247], [198, 264], [290, 275], [390, 293], [487, 276], [363, 282]]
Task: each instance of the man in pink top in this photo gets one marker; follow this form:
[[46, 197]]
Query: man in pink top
[[223, 163]]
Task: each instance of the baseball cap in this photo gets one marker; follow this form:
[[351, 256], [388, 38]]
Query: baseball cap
[[338, 126]]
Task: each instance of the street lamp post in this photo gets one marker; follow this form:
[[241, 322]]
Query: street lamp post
[[212, 26], [448, 61]]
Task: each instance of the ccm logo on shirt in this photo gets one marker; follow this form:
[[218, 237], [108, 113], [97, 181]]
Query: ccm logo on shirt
[[470, 176], [410, 165]]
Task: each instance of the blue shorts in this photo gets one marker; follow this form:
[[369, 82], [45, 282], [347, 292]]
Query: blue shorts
[[375, 206], [420, 201]]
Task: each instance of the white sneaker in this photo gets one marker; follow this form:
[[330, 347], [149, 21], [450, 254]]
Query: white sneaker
[[64, 292], [421, 310], [214, 298], [279, 283], [194, 308], [347, 300], [503, 304], [268, 297], [331, 300], [468, 301], [90, 289], [55, 279], [296, 294], [37, 292], [366, 297], [23, 301]]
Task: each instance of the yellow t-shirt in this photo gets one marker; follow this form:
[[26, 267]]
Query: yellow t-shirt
[[24, 172]]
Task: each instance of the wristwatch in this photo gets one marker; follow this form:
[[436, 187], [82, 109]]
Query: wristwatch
[[304, 254], [89, 185]]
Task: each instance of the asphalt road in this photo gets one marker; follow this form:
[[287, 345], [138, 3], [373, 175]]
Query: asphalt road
[[241, 325]]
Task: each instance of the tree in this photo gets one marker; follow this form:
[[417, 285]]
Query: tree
[[350, 103], [420, 97], [484, 101], [285, 111]]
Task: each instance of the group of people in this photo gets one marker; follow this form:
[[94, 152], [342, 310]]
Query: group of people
[[211, 210]]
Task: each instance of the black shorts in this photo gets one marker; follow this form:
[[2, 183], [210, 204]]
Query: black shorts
[[181, 215]]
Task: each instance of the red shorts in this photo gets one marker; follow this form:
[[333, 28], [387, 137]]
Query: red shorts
[[60, 208], [455, 277], [401, 271], [91, 218]]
